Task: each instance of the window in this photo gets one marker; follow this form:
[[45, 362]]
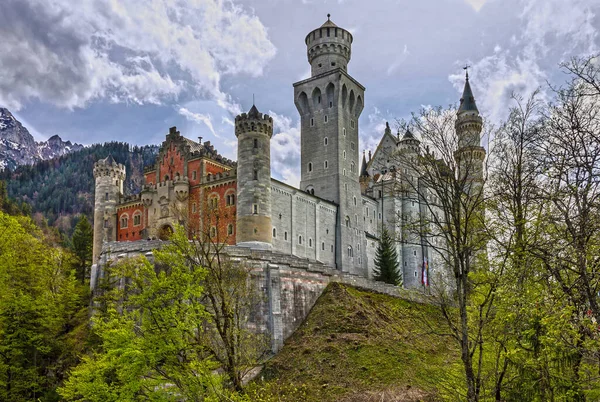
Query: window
[[194, 207], [344, 153], [300, 239], [194, 175], [255, 174], [325, 119], [213, 231], [310, 166], [213, 202], [230, 199], [255, 143], [106, 223], [255, 209], [380, 216], [350, 252], [310, 242], [106, 196], [415, 274], [415, 252], [325, 141], [312, 122], [347, 220], [319, 99], [351, 123], [274, 233], [352, 167], [230, 229], [326, 164], [124, 222], [330, 102], [137, 219], [285, 236], [323, 246], [358, 246], [352, 146], [344, 172], [354, 199], [344, 131], [332, 248]]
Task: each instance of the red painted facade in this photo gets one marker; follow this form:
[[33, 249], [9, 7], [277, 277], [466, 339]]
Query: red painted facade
[[127, 229]]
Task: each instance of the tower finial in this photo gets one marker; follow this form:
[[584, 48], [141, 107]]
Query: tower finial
[[466, 68], [328, 16], [253, 102]]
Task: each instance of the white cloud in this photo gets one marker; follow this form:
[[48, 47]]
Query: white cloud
[[199, 118], [523, 65], [476, 4], [399, 60], [285, 149], [143, 51]]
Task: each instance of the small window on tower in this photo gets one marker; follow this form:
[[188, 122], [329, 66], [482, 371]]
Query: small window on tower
[[325, 119], [323, 246], [310, 166], [326, 141], [344, 154], [255, 143], [352, 146], [229, 229], [194, 175], [344, 131], [255, 209], [299, 239], [330, 103], [274, 232], [255, 174], [319, 99], [351, 123], [326, 164], [106, 223], [333, 64], [106, 196], [285, 236], [312, 122]]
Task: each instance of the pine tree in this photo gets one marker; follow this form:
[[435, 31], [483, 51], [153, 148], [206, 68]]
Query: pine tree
[[386, 261], [83, 238]]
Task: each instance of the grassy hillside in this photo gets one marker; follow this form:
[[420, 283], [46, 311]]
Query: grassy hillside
[[361, 346]]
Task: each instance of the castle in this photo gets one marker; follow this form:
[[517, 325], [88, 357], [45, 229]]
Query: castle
[[337, 215]]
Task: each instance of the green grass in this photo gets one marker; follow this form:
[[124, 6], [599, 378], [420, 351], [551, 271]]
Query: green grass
[[359, 346]]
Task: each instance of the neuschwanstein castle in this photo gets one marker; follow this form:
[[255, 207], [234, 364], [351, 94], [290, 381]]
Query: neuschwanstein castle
[[333, 220]]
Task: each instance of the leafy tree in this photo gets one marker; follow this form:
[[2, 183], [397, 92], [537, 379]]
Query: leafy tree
[[386, 260], [82, 242], [43, 313]]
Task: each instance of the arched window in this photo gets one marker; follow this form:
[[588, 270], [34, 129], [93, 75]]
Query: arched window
[[213, 231], [323, 246], [310, 166], [137, 218], [230, 199], [124, 221], [350, 252], [309, 242], [347, 221], [344, 153], [325, 141], [300, 239], [230, 229], [352, 167], [274, 232], [285, 236], [326, 164], [354, 201]]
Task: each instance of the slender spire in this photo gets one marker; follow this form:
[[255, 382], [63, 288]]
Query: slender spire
[[467, 101], [363, 168], [388, 130]]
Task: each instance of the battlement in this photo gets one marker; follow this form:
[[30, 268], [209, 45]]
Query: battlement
[[209, 178], [328, 48], [253, 121], [109, 167]]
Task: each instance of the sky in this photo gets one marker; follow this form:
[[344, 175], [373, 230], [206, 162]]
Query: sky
[[93, 71]]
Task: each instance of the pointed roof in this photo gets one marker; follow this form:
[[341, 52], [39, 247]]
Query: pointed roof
[[254, 113], [408, 135], [467, 101], [109, 160], [363, 168], [328, 23]]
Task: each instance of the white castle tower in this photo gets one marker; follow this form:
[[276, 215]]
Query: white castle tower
[[330, 103], [109, 176]]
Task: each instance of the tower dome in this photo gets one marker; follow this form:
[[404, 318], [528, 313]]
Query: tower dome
[[328, 48]]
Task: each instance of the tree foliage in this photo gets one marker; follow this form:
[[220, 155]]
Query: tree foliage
[[82, 243], [386, 261]]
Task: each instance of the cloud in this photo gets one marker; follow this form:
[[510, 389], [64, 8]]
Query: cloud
[[285, 149], [198, 118], [476, 4], [525, 62], [399, 60], [69, 53]]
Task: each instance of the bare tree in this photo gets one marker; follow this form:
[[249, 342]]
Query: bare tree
[[448, 177]]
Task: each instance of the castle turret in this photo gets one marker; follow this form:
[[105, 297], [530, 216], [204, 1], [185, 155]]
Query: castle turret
[[328, 48], [109, 176], [254, 131], [470, 154]]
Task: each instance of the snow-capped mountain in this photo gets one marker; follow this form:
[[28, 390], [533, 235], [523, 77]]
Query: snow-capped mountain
[[17, 146]]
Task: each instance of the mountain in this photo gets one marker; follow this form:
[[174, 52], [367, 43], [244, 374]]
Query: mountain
[[58, 189], [17, 146]]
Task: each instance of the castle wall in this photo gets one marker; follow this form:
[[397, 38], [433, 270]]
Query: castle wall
[[296, 213], [133, 231], [290, 285]]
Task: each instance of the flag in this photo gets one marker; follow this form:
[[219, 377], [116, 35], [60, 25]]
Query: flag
[[425, 273]]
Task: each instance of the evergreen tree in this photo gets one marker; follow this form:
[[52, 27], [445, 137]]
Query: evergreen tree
[[82, 240], [386, 261]]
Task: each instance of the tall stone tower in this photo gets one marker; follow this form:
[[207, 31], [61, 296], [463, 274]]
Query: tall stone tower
[[109, 176], [470, 154], [254, 131], [330, 103]]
